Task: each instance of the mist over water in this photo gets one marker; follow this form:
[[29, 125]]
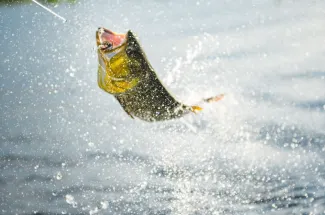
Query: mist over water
[[66, 147]]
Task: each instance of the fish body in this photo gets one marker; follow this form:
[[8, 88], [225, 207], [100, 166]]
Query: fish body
[[125, 72]]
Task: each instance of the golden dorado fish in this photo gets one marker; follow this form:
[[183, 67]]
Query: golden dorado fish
[[125, 72]]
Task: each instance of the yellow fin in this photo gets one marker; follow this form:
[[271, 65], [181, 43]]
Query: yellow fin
[[196, 109]]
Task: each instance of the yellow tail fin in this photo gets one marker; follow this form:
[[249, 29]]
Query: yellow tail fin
[[196, 109]]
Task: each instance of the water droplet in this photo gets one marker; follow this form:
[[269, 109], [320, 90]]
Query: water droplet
[[91, 212], [59, 176], [69, 199], [72, 68], [104, 204]]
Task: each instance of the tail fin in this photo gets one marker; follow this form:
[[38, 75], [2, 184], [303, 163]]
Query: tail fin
[[196, 109], [215, 98]]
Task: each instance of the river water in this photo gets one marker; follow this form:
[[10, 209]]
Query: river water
[[68, 148]]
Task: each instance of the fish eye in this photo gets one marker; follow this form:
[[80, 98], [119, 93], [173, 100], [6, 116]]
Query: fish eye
[[106, 46], [109, 45]]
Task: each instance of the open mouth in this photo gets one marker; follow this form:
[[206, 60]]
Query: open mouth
[[107, 40]]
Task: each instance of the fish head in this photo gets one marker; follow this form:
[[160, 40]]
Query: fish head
[[110, 43], [108, 40], [120, 61]]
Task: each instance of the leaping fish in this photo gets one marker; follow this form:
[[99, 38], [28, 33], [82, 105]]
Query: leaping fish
[[125, 72]]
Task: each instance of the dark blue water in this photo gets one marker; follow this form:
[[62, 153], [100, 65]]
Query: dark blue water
[[68, 148]]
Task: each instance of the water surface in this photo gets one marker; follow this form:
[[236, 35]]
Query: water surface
[[68, 148]]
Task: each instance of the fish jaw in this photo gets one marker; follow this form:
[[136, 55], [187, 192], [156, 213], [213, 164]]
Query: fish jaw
[[107, 40]]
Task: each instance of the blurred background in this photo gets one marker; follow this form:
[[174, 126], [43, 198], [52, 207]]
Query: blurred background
[[66, 147]]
